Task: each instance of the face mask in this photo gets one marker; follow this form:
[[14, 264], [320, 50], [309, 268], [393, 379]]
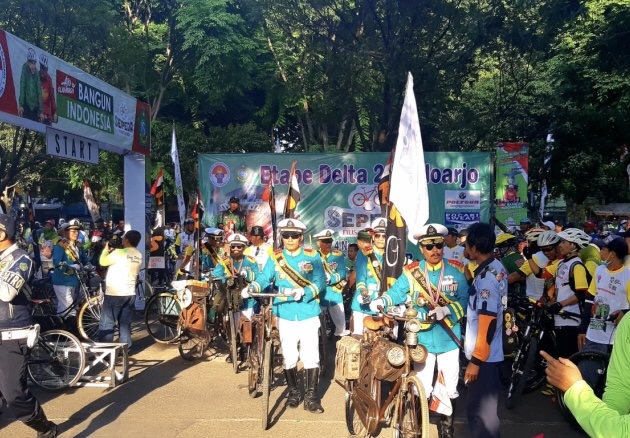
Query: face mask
[[606, 262]]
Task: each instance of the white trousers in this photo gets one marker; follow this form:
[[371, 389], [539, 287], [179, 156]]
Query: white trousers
[[66, 295], [448, 363], [338, 317], [299, 341], [357, 322]]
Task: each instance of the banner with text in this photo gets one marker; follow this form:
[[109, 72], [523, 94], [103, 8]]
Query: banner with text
[[511, 182], [39, 90], [339, 191]]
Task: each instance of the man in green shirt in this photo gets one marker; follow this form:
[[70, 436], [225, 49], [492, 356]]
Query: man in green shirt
[[609, 417]]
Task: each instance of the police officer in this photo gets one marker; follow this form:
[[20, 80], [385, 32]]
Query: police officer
[[259, 248], [212, 248], [16, 268], [232, 219], [436, 286], [334, 263], [369, 269], [299, 274]]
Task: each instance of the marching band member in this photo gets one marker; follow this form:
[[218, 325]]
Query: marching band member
[[299, 274]]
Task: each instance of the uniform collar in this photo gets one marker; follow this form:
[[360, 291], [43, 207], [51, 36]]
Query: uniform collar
[[433, 267]]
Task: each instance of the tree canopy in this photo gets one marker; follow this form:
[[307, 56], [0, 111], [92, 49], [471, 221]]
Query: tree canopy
[[328, 75]]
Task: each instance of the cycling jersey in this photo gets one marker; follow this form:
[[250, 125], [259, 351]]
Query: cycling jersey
[[610, 291], [561, 272]]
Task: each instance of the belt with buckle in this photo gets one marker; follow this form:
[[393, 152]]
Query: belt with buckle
[[8, 335]]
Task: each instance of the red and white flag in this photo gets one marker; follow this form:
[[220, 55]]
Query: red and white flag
[[440, 401]]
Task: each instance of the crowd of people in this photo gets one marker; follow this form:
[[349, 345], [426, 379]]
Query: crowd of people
[[463, 283]]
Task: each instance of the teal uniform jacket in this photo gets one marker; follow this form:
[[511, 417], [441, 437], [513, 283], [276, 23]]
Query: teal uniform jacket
[[248, 266], [308, 265], [65, 275], [336, 263], [366, 279], [454, 293]]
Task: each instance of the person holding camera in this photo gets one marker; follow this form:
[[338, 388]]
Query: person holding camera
[[120, 287], [16, 329]]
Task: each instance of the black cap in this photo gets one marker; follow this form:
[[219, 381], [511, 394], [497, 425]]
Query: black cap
[[619, 247], [452, 231], [235, 199], [7, 224], [257, 230]]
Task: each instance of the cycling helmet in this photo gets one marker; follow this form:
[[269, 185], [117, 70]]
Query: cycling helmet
[[532, 235], [30, 55], [505, 239], [547, 238], [43, 60], [575, 235]]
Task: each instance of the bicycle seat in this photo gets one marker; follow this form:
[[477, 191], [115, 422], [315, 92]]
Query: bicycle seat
[[377, 322], [44, 301]]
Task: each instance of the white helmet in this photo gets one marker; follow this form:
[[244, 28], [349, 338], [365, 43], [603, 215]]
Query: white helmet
[[575, 235], [547, 238], [532, 235], [43, 60]]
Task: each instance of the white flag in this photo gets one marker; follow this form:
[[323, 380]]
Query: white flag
[[409, 192], [181, 206]]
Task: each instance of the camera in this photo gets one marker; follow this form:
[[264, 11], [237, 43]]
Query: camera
[[115, 241]]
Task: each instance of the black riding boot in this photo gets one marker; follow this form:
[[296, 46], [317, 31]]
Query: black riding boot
[[44, 427], [293, 401], [311, 401], [446, 428]]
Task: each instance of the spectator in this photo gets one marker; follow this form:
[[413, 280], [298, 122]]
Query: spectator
[[233, 220], [259, 248], [120, 291], [559, 225], [548, 225], [590, 228]]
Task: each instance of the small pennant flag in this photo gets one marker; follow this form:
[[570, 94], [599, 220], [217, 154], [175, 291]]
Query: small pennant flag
[[157, 188], [440, 401], [293, 194]]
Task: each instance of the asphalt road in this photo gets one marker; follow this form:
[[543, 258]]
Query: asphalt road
[[169, 397]]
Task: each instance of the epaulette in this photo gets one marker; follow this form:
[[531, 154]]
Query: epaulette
[[310, 251], [277, 251], [336, 252], [367, 250], [456, 264], [225, 257], [412, 265], [250, 259]]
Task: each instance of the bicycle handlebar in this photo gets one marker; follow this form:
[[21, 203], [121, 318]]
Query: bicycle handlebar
[[265, 295], [432, 319]]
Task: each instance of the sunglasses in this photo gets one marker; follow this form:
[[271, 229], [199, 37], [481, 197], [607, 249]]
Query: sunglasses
[[379, 235], [548, 248], [294, 236], [430, 246], [238, 246], [326, 240]]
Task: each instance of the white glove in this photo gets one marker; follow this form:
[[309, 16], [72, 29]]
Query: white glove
[[440, 312], [375, 304], [244, 273], [298, 293], [245, 292], [76, 267], [398, 310]]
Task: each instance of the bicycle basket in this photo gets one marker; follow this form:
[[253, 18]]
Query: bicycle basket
[[347, 359]]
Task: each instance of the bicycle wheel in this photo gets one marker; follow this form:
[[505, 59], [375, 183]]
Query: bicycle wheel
[[323, 357], [89, 318], [161, 316], [267, 374], [520, 370], [353, 421], [233, 344], [144, 290], [411, 415], [190, 346], [593, 366], [57, 360]]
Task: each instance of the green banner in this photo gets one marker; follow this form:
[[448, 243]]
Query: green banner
[[339, 191], [511, 182]]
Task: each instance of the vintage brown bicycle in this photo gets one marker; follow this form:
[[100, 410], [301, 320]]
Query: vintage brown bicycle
[[381, 387]]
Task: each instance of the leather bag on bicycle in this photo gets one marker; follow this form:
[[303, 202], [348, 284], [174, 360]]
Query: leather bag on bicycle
[[193, 319], [378, 362]]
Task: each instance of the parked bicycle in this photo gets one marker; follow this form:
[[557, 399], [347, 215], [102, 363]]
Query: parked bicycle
[[56, 361], [386, 391], [528, 367], [161, 315], [263, 352]]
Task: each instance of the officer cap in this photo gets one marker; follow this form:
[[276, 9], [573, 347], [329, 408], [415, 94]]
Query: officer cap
[[7, 224], [235, 199], [237, 239], [365, 234], [257, 230], [214, 232], [291, 225], [432, 232], [526, 220], [324, 234], [189, 220], [379, 224]]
